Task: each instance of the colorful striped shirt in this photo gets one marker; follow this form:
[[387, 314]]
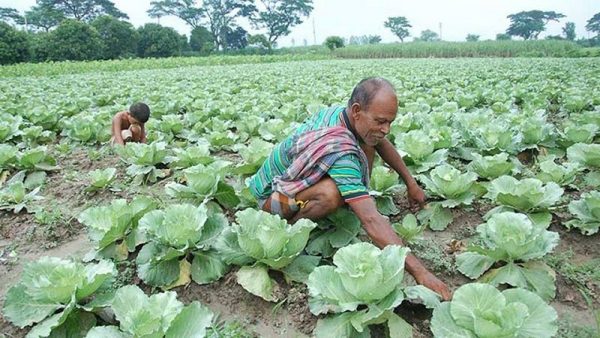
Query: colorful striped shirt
[[347, 171]]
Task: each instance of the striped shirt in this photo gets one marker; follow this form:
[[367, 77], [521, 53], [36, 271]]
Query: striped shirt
[[346, 171]]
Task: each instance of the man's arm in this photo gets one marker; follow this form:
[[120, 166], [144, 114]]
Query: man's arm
[[116, 129], [382, 234], [390, 155]]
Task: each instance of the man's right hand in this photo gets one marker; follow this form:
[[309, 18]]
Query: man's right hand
[[430, 281]]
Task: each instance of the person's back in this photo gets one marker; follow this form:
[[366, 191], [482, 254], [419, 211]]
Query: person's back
[[128, 126]]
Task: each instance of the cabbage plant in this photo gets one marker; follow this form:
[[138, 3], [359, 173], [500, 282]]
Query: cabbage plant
[[100, 179], [519, 244], [53, 292], [585, 154], [384, 184], [114, 228], [253, 156], [528, 195], [21, 192], [578, 133], [417, 149], [587, 213], [363, 288], [448, 182], [480, 310], [143, 160], [37, 158], [190, 156], [494, 166], [158, 315], [409, 229], [562, 174], [176, 235], [8, 156], [266, 240], [204, 183]]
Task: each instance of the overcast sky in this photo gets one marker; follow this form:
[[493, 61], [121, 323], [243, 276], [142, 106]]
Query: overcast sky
[[359, 17]]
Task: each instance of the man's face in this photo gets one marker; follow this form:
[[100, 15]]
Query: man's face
[[132, 120], [373, 124]]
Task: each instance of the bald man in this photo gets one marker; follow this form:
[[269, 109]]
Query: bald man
[[326, 163]]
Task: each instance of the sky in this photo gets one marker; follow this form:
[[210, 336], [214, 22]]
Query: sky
[[346, 18]]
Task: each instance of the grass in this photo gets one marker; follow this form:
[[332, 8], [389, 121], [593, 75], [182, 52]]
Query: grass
[[568, 329], [581, 275], [443, 49]]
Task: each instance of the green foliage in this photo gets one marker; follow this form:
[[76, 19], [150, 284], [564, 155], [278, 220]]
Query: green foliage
[[74, 40], [529, 24], [528, 195], [445, 49], [119, 38], [472, 37], [83, 10], [114, 228], [490, 167], [562, 174], [502, 37], [143, 159], [175, 234], [409, 229], [593, 24], [480, 310], [100, 179], [449, 183], [368, 277], [201, 40], [14, 45], [428, 36], [399, 25], [53, 292], [43, 17], [159, 315], [10, 15], [585, 154], [158, 41], [587, 213], [279, 16], [334, 42], [569, 31], [518, 242]]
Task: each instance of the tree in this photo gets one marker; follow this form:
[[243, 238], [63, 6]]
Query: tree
[[429, 35], [83, 10], [158, 41], [43, 18], [14, 46], [529, 24], [569, 31], [593, 24], [219, 15], [502, 37], [119, 38], [278, 16], [399, 26], [10, 15], [236, 39], [364, 40], [472, 37], [201, 40], [185, 10], [259, 41], [334, 42], [74, 40]]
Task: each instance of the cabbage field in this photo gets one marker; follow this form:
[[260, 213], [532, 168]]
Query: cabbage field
[[165, 239]]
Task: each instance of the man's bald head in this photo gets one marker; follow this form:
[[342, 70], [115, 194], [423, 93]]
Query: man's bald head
[[365, 91]]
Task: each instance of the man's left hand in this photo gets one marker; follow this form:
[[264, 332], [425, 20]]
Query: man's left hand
[[416, 197]]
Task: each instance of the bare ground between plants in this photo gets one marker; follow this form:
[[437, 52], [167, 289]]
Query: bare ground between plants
[[22, 235]]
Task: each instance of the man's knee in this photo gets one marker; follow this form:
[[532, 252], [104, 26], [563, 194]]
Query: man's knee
[[329, 196]]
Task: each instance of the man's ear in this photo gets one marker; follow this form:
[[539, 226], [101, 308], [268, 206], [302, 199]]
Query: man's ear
[[355, 110]]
